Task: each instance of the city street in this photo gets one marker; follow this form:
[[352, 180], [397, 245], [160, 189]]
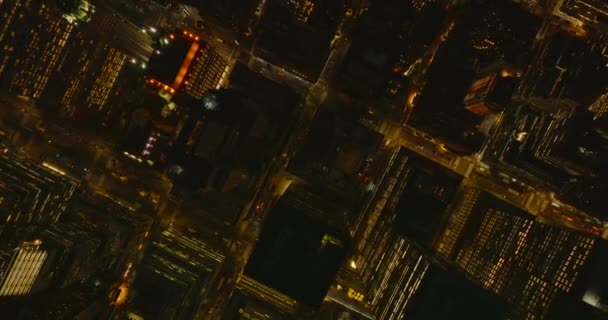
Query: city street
[[535, 200]]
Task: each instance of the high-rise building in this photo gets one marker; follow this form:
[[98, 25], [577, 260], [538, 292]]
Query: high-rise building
[[103, 85], [172, 274], [374, 231], [378, 72], [33, 38], [541, 142], [122, 30], [86, 76], [20, 276], [442, 293], [562, 65], [69, 247], [583, 13], [491, 90], [493, 31], [412, 201], [397, 277], [285, 22], [588, 297], [300, 250], [394, 257], [185, 64], [505, 250], [31, 193], [208, 71], [422, 208]]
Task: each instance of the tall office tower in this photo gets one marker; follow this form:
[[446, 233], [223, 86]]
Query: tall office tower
[[183, 64], [396, 277], [103, 85], [504, 249], [541, 141], [492, 89], [282, 23], [208, 71], [124, 231], [394, 256], [69, 247], [589, 295], [377, 71], [33, 37], [492, 31], [419, 287], [120, 30], [583, 13], [442, 293], [19, 277], [86, 77], [421, 210], [32, 194], [404, 221], [374, 231], [301, 248], [562, 65], [171, 276]]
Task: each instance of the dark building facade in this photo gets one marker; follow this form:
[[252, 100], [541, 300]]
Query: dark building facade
[[299, 253]]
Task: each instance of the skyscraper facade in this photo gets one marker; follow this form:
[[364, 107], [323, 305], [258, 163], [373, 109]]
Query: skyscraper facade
[[534, 125], [19, 278], [504, 249], [172, 275], [299, 252], [33, 38], [87, 76], [32, 194]]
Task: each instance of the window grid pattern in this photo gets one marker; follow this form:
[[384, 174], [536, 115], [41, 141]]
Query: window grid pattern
[[526, 262]]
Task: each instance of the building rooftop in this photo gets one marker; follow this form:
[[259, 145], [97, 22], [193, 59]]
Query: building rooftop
[[32, 193]]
